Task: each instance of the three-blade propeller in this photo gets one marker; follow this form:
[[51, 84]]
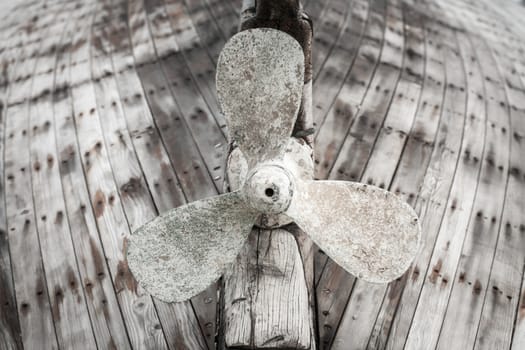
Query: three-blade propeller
[[366, 230]]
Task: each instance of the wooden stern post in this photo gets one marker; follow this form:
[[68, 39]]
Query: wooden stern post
[[267, 300]]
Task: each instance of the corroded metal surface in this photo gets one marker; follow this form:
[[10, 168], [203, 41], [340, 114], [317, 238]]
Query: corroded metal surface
[[368, 231], [269, 189], [297, 159], [259, 84], [180, 253]]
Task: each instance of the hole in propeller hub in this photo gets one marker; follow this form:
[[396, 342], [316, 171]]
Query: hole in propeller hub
[[269, 189]]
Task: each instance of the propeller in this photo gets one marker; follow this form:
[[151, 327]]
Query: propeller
[[368, 231]]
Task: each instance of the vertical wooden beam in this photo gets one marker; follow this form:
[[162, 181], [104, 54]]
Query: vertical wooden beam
[[268, 296]]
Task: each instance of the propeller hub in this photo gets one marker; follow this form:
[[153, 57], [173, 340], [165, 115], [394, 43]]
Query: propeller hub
[[269, 189]]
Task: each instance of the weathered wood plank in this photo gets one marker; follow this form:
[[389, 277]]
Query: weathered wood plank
[[334, 112], [334, 116], [10, 333], [107, 323], [456, 223], [226, 15], [237, 314], [424, 66], [330, 134], [316, 9], [189, 163], [335, 285], [496, 327], [502, 297], [202, 68], [258, 309], [33, 303], [210, 34], [331, 25], [380, 170], [133, 126], [272, 306], [134, 193], [167, 156], [434, 194], [363, 132], [362, 24], [68, 304], [358, 320], [473, 267], [137, 308], [150, 74], [196, 182]]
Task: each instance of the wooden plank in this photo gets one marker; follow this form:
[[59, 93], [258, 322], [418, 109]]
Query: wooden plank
[[456, 223], [434, 191], [334, 116], [315, 11], [204, 129], [380, 170], [202, 68], [10, 333], [368, 121], [33, 302], [415, 158], [107, 323], [473, 266], [276, 305], [137, 308], [131, 127], [362, 23], [330, 303], [68, 304], [330, 26], [209, 30], [196, 182], [187, 161], [501, 316], [280, 268], [333, 113], [237, 315], [363, 132], [258, 309], [331, 133], [366, 298], [134, 193], [502, 299], [226, 15]]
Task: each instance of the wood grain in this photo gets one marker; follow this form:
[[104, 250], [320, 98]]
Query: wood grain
[[109, 116], [32, 295], [107, 323], [9, 322]]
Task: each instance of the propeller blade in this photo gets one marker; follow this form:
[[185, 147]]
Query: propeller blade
[[182, 252], [259, 85], [368, 231]]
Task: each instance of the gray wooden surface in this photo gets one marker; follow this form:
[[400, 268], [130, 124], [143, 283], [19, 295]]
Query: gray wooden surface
[[108, 116]]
